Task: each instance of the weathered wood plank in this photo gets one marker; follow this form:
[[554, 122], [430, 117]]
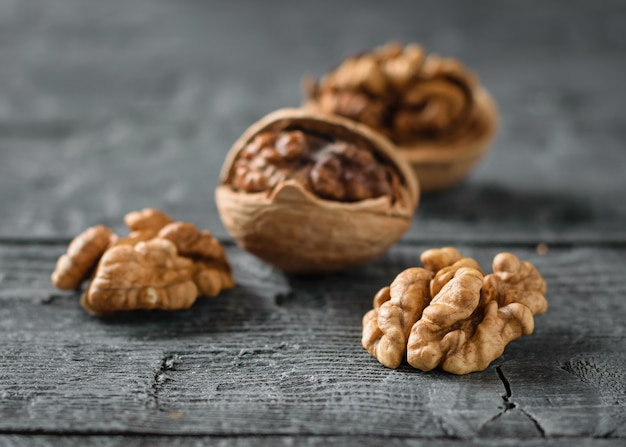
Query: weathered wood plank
[[108, 107], [281, 355], [288, 441], [116, 106]]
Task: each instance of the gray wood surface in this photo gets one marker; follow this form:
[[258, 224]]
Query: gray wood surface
[[111, 106], [281, 356], [288, 441]]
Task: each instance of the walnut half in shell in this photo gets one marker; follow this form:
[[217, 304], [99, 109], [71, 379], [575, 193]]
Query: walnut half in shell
[[313, 193], [434, 109]]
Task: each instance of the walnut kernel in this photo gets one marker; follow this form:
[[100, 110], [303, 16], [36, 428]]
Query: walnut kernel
[[161, 264], [432, 108], [149, 275], [81, 257], [457, 319], [333, 170]]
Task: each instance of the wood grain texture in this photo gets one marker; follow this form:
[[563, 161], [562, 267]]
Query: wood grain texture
[[281, 355], [288, 441], [111, 107]]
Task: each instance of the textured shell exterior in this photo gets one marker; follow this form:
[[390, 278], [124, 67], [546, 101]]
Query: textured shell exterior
[[298, 232], [440, 165]]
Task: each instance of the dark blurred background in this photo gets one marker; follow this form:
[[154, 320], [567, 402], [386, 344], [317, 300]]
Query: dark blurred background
[[111, 106]]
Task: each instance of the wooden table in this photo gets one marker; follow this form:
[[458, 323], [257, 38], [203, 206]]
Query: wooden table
[[112, 106]]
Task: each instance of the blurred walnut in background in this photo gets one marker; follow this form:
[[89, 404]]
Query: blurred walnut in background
[[399, 91], [432, 108]]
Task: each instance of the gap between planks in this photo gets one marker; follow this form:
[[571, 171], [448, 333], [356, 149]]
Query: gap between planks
[[530, 243]]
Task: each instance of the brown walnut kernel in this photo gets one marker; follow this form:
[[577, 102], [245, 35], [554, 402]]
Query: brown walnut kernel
[[161, 264], [456, 318], [333, 170], [211, 272], [81, 257], [148, 275], [148, 219], [516, 281], [440, 118], [191, 242], [399, 91], [386, 328]]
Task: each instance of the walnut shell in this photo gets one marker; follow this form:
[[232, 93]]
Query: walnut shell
[[442, 164], [298, 232], [432, 108]]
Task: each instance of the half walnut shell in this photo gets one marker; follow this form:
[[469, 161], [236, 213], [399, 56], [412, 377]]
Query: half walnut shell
[[295, 220], [432, 108], [442, 164]]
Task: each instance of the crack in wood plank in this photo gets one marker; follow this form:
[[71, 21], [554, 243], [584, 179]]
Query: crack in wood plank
[[302, 366], [509, 404], [535, 422], [507, 388], [168, 363]]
